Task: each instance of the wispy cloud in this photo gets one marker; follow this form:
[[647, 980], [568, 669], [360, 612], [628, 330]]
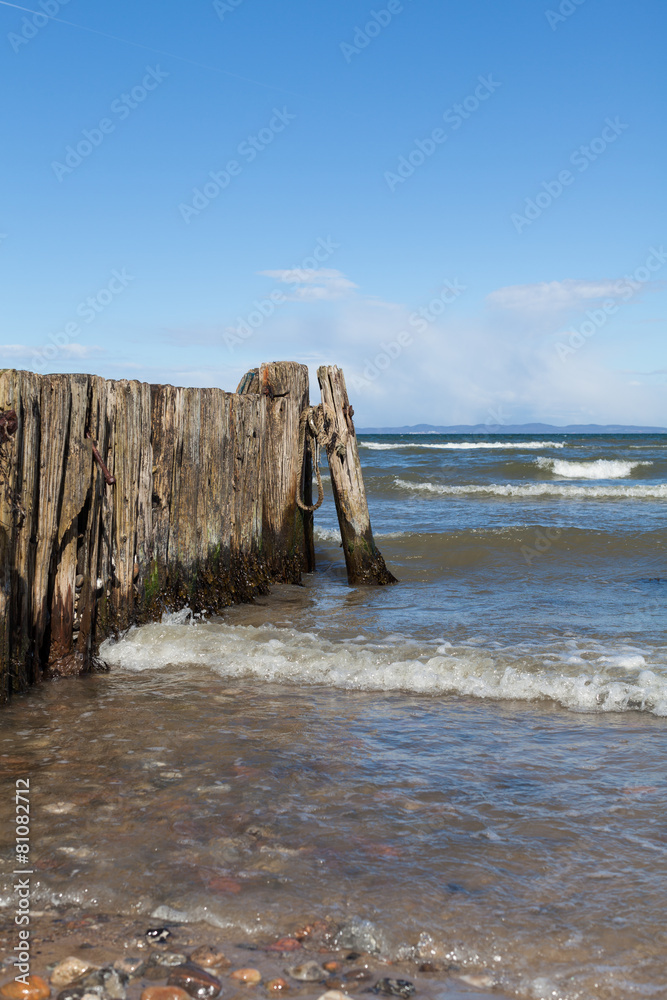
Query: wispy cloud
[[72, 350], [317, 285], [559, 296]]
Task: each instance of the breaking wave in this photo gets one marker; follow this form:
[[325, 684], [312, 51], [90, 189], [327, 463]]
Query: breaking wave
[[466, 445], [584, 676], [646, 492], [600, 469]]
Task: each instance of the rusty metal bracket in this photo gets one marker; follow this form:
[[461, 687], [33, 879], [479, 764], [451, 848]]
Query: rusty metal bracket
[[108, 478]]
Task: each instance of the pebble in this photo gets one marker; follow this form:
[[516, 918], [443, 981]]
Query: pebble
[[275, 985], [209, 958], [334, 995], [130, 965], [359, 975], [168, 958], [285, 944], [112, 981], [480, 981], [35, 989], [308, 972], [68, 970], [252, 977], [332, 966], [158, 935], [164, 993], [394, 987], [71, 993], [156, 971], [336, 983], [194, 980]]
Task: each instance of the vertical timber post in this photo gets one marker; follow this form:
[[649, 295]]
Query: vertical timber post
[[364, 562]]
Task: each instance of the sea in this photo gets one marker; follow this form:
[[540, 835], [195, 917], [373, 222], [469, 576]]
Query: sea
[[468, 767]]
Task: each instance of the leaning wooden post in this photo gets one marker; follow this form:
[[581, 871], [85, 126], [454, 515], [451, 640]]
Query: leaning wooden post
[[364, 562]]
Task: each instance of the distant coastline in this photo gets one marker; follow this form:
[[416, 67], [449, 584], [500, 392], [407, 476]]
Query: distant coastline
[[514, 429]]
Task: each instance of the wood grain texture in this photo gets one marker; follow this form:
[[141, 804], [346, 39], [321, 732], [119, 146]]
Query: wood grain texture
[[203, 511], [363, 560]]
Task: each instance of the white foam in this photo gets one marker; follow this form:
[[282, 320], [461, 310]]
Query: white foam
[[600, 469], [327, 534], [467, 445], [649, 492], [289, 656]]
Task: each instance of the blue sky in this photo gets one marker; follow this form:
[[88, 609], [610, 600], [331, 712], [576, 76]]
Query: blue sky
[[460, 204]]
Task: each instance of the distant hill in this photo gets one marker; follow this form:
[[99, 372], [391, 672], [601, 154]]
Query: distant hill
[[514, 429]]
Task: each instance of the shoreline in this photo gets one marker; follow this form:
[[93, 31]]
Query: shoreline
[[103, 941]]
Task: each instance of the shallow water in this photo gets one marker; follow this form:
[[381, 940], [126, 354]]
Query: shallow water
[[473, 761]]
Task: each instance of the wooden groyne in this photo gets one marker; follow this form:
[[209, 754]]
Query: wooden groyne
[[120, 499]]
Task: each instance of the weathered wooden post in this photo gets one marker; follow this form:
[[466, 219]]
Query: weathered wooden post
[[119, 500], [364, 562]]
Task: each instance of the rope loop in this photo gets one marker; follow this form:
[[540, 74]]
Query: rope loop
[[309, 443]]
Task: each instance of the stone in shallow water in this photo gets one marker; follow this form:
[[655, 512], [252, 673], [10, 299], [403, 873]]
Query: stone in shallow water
[[285, 944], [361, 935], [194, 980], [34, 989], [250, 976], [158, 935], [334, 995], [394, 987], [168, 958], [276, 985], [164, 993], [68, 970], [307, 972], [131, 966], [479, 981], [110, 980], [155, 971], [359, 975], [209, 958], [71, 993]]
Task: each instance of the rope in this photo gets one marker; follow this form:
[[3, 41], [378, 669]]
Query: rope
[[308, 439]]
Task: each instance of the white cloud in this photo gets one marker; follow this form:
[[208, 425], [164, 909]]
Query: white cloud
[[316, 285], [14, 350], [552, 297], [80, 350]]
